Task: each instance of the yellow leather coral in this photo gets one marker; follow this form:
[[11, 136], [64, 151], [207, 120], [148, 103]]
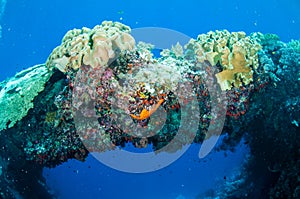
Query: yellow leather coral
[[235, 52], [94, 47]]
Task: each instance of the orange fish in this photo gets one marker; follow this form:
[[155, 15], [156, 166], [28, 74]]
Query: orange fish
[[145, 113]]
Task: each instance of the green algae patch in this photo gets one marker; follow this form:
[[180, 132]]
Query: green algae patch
[[17, 94]]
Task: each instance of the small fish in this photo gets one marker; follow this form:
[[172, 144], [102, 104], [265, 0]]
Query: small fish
[[145, 113]]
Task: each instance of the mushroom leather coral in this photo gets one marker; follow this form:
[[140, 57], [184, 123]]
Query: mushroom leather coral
[[94, 47], [235, 53]]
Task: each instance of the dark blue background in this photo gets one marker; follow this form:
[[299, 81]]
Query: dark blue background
[[187, 177], [31, 29]]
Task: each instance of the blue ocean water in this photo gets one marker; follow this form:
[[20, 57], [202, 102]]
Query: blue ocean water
[[188, 177], [31, 29]]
